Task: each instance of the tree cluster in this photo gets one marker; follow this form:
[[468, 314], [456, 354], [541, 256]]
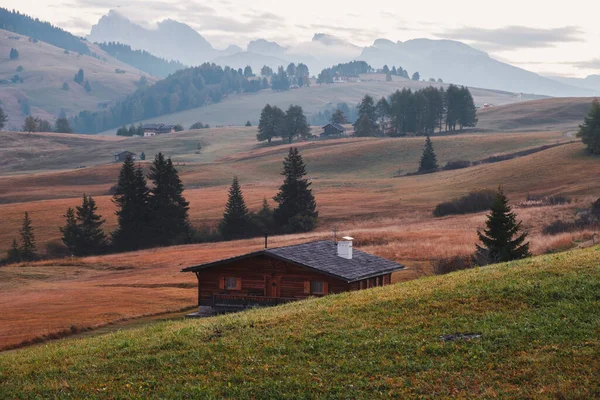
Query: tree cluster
[[351, 69], [142, 60], [32, 124], [295, 211], [420, 112], [199, 125], [62, 125], [589, 131], [288, 125], [25, 249], [327, 116], [82, 233], [131, 131], [183, 90], [38, 30]]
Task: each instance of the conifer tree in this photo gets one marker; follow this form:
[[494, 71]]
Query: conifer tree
[[263, 219], [28, 249], [70, 231], [338, 117], [14, 253], [168, 206], [90, 236], [132, 201], [428, 159], [501, 240], [236, 218], [589, 132], [30, 124], [296, 210], [295, 123], [3, 118]]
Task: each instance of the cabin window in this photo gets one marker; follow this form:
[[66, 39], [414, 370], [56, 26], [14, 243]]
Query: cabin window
[[316, 287], [230, 283]]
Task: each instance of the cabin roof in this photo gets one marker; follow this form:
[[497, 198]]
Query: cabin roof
[[337, 127], [321, 256], [125, 152]]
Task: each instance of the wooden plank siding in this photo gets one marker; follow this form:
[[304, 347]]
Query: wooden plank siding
[[255, 277]]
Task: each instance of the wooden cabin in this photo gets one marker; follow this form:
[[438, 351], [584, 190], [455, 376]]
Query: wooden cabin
[[333, 130], [280, 275], [122, 156]]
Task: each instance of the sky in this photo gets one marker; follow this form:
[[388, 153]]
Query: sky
[[532, 34]]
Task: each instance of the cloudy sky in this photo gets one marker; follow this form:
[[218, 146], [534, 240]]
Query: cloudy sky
[[532, 34]]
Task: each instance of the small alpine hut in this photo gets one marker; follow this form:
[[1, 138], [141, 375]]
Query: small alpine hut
[[333, 130], [121, 156], [280, 275]]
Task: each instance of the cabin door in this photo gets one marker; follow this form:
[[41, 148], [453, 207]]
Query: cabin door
[[272, 286]]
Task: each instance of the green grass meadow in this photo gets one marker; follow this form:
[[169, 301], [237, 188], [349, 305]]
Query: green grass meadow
[[539, 320]]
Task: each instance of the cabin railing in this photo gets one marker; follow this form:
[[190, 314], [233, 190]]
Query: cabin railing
[[245, 301]]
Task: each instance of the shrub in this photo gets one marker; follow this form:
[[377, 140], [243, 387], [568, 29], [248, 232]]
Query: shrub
[[559, 226], [56, 249], [457, 164], [474, 202], [199, 125], [452, 264]]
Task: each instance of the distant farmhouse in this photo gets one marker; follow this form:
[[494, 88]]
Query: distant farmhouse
[[333, 130], [157, 129], [120, 157], [280, 275]]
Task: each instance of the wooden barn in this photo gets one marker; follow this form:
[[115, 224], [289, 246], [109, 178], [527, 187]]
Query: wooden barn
[[333, 130], [121, 156], [280, 275]]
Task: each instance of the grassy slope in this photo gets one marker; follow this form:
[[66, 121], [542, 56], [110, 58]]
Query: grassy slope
[[46, 68], [546, 114], [312, 99], [538, 319]]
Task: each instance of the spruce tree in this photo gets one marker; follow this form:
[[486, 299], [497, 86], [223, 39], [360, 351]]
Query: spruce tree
[[3, 118], [28, 249], [236, 218], [169, 208], [90, 236], [296, 210], [70, 231], [428, 159], [501, 240], [589, 132], [14, 253], [132, 202], [263, 219]]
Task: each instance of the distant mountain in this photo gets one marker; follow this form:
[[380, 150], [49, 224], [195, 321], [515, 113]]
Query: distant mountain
[[170, 39], [262, 46], [40, 30], [459, 63], [142, 60], [592, 82]]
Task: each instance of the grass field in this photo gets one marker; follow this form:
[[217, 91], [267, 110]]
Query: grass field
[[46, 68], [537, 319]]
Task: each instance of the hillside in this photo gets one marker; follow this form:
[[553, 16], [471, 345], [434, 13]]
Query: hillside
[[536, 319], [46, 68], [562, 113], [313, 99]]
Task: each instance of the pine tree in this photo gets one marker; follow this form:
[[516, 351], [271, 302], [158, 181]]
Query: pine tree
[[263, 219], [132, 202], [295, 123], [589, 132], [143, 156], [90, 236], [428, 159], [236, 218], [338, 117], [70, 231], [88, 87], [14, 54], [168, 206], [28, 249], [296, 210], [30, 124], [3, 118], [79, 77], [364, 127], [62, 126], [501, 239], [14, 253]]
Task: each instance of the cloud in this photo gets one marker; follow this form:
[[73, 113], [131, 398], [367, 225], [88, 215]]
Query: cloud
[[514, 37], [589, 64]]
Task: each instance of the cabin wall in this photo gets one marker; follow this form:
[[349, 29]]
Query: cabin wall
[[371, 282], [256, 272]]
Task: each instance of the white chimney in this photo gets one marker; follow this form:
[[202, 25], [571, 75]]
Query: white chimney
[[344, 248]]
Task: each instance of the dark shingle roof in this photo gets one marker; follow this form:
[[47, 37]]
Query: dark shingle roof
[[336, 126], [322, 256]]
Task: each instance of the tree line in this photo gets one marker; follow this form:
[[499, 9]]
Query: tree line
[[157, 215], [183, 90], [354, 69], [142, 60], [420, 112], [14, 21], [274, 122]]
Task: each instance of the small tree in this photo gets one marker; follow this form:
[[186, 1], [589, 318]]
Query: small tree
[[28, 249], [248, 123], [589, 132], [3, 118], [30, 125], [14, 54], [295, 123], [296, 210], [248, 71], [271, 124], [70, 231], [65, 87], [88, 87], [236, 218], [428, 159], [79, 77], [90, 238], [416, 76], [338, 117], [14, 253], [263, 219], [143, 156], [501, 240], [44, 126], [364, 127], [62, 125]]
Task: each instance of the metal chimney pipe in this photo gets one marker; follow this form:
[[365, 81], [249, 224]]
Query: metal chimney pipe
[[266, 241]]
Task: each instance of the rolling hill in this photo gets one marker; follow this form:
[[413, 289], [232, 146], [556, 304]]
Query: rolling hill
[[535, 324], [45, 68]]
